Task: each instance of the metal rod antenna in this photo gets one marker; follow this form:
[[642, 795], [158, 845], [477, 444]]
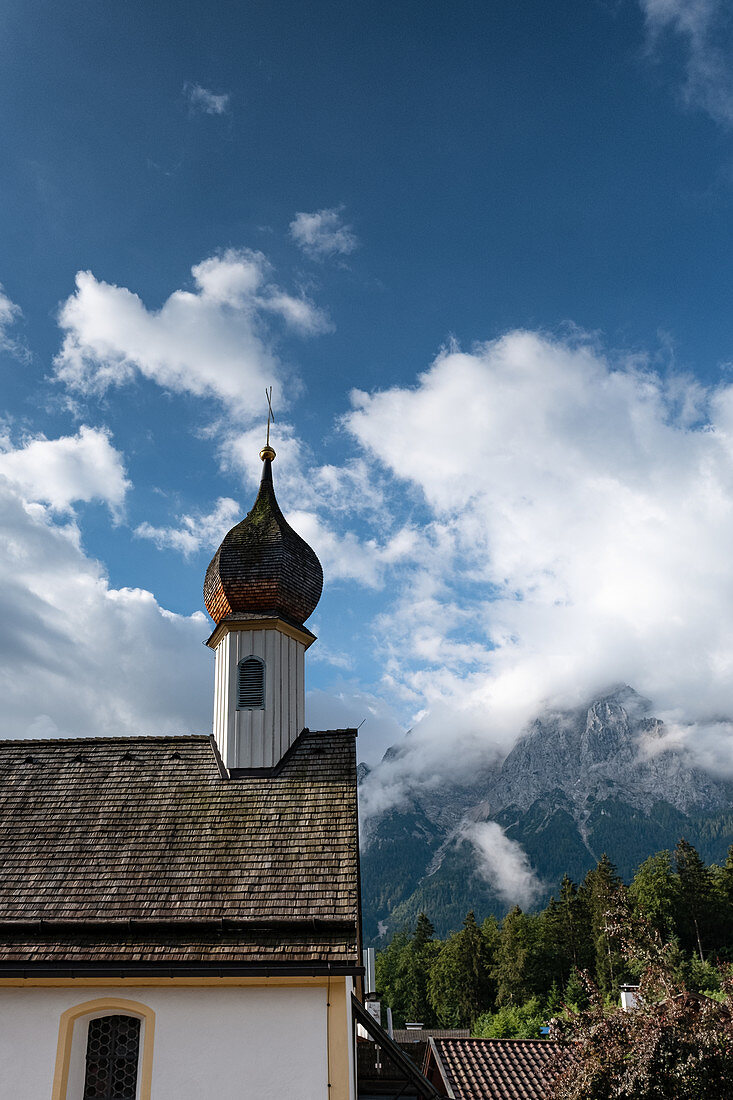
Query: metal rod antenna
[[270, 413]]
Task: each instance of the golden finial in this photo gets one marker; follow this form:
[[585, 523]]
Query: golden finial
[[267, 451]]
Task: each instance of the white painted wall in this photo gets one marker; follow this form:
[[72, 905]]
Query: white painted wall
[[227, 1044], [259, 738]]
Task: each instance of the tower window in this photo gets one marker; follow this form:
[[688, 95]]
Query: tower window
[[251, 686], [113, 1048]]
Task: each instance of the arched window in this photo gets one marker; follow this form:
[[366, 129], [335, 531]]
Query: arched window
[[251, 684], [113, 1052], [105, 1051]]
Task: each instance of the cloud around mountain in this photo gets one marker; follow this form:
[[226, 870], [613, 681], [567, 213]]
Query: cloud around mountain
[[580, 523]]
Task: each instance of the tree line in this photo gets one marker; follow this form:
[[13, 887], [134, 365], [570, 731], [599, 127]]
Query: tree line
[[507, 978]]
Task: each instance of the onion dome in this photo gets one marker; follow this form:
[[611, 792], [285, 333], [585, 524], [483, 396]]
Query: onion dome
[[263, 567]]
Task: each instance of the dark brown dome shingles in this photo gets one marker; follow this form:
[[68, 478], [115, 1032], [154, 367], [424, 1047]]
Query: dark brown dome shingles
[[263, 566]]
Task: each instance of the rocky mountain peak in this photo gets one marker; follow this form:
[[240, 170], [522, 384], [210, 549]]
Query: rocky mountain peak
[[579, 782]]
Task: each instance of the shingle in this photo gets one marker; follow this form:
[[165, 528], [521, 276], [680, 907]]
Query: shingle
[[145, 829]]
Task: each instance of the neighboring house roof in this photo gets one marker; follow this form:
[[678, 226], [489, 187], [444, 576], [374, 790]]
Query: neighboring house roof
[[490, 1069], [140, 851]]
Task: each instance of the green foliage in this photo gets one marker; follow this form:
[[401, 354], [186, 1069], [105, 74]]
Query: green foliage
[[673, 1044], [390, 976], [510, 977], [565, 933], [602, 889], [654, 893], [461, 983], [576, 992], [518, 959], [512, 1022], [697, 903], [403, 970]]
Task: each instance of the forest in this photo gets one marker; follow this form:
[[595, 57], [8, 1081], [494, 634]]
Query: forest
[[507, 978]]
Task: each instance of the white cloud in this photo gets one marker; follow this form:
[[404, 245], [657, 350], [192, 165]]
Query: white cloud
[[79, 657], [580, 519], [9, 311], [503, 863], [213, 341], [197, 531], [704, 26], [58, 472], [345, 556], [323, 234], [206, 102], [9, 314]]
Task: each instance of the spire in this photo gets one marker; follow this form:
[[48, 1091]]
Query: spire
[[261, 585], [263, 566]]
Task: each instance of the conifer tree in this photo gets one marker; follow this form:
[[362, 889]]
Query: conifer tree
[[654, 893], [602, 889], [697, 903], [518, 958], [460, 986], [724, 890], [576, 927], [565, 934], [390, 974], [419, 955]]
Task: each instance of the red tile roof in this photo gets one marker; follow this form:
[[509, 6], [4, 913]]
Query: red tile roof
[[492, 1069]]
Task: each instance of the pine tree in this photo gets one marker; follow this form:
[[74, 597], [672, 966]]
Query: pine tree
[[553, 1001], [576, 927], [697, 902], [419, 955], [565, 935], [654, 893], [723, 887], [390, 969], [602, 889], [518, 970], [576, 994], [460, 987]]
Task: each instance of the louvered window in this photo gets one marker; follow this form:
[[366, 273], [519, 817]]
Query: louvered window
[[251, 686], [113, 1047]]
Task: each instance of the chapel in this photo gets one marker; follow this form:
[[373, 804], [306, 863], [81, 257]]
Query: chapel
[[179, 915]]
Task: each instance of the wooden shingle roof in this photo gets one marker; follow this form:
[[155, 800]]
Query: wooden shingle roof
[[139, 849], [491, 1069]]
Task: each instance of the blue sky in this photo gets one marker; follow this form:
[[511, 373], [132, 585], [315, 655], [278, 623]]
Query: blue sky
[[482, 253]]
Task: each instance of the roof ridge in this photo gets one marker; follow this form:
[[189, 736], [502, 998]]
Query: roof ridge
[[104, 738], [492, 1039]]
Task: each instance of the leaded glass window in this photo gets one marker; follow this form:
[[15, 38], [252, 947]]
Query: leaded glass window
[[113, 1047]]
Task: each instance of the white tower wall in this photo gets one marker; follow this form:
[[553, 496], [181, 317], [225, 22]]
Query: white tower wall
[[260, 737]]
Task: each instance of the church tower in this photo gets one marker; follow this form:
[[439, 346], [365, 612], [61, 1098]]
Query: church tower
[[261, 585]]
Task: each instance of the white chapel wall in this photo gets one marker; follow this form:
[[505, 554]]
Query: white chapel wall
[[230, 1043]]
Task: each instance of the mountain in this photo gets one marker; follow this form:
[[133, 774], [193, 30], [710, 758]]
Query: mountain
[[578, 783]]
